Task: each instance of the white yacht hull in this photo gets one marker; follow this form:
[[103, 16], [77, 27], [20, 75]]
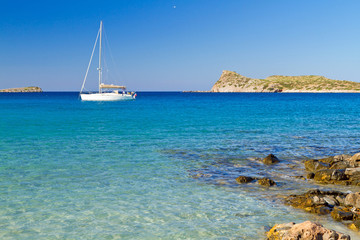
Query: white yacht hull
[[118, 92], [106, 97]]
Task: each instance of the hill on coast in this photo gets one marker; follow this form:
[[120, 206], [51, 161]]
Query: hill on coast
[[23, 89], [233, 82]]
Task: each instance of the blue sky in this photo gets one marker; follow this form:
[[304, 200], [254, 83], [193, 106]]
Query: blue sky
[[158, 47]]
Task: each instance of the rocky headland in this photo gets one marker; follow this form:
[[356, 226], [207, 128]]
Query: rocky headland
[[233, 82], [23, 89]]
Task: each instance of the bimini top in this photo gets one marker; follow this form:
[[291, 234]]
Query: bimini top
[[111, 86]]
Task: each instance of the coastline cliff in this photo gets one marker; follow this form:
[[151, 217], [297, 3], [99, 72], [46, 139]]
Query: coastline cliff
[[23, 89], [233, 82]]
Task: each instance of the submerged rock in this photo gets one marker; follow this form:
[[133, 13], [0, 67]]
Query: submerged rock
[[270, 159], [244, 179], [262, 181], [341, 213], [304, 231], [266, 182], [315, 165]]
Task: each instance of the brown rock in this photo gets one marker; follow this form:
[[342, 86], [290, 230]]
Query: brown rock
[[323, 175], [354, 161], [340, 165], [297, 201], [314, 165], [340, 199], [341, 213], [311, 175], [316, 201], [355, 225], [330, 200], [244, 179], [304, 231], [321, 210], [342, 157], [339, 175], [317, 192], [270, 159], [352, 200], [266, 182], [328, 160], [354, 180], [352, 171], [327, 175]]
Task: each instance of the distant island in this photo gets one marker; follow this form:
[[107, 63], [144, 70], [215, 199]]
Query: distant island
[[23, 89], [233, 82]]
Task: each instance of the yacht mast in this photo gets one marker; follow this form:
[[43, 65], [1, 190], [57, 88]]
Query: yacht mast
[[100, 57]]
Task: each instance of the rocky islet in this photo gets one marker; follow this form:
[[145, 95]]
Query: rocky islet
[[22, 89]]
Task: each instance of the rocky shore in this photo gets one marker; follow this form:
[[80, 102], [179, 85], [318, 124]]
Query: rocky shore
[[23, 89], [340, 170], [325, 187], [342, 207]]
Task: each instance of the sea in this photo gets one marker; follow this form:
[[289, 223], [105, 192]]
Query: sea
[[164, 165]]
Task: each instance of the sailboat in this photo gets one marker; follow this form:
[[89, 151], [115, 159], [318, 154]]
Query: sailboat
[[107, 92]]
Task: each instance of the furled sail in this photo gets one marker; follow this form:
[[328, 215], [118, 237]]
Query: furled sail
[[111, 86]]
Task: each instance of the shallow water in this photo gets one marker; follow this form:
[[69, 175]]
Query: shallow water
[[162, 166]]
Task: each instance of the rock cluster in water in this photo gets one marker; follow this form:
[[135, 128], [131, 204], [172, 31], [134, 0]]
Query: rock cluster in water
[[262, 181], [304, 231], [341, 169], [342, 207], [269, 160]]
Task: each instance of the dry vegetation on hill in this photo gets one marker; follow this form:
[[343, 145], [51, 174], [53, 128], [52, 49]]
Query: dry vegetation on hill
[[234, 82]]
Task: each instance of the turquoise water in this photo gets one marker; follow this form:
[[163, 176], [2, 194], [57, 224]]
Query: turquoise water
[[162, 166]]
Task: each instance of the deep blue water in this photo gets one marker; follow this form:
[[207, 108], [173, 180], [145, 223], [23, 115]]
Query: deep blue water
[[162, 166]]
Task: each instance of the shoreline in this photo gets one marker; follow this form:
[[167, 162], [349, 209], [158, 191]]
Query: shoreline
[[326, 187]]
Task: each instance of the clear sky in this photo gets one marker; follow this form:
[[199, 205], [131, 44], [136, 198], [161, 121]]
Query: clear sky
[[157, 46]]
